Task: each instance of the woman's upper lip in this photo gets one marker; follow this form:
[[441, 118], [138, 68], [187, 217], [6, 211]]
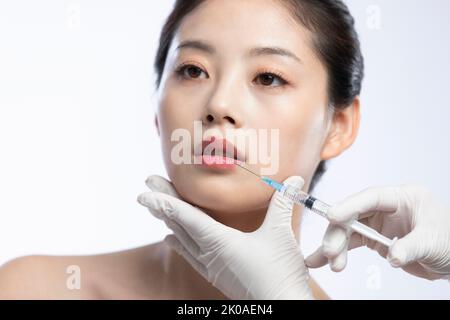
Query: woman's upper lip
[[221, 147]]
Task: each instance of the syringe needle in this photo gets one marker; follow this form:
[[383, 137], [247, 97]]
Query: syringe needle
[[320, 208], [240, 165], [268, 181]]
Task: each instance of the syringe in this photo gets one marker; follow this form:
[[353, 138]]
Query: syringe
[[319, 207]]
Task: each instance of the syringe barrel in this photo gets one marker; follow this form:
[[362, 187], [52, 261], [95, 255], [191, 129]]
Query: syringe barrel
[[370, 233], [295, 194], [304, 199], [322, 208]]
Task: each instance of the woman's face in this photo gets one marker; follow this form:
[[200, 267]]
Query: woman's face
[[230, 83]]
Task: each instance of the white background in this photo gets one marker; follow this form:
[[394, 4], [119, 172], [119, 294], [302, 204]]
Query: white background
[[77, 137]]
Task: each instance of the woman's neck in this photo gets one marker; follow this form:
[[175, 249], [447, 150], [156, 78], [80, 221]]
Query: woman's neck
[[181, 281], [180, 277], [252, 220], [244, 221]]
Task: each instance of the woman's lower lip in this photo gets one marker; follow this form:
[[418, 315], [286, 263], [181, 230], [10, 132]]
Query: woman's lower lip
[[216, 162]]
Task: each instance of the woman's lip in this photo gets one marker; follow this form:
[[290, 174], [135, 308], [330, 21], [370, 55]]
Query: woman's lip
[[222, 146], [216, 162]]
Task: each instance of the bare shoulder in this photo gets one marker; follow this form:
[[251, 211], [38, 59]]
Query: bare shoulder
[[42, 277], [317, 291], [102, 276]]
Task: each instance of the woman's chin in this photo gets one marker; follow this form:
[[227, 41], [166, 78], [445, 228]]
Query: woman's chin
[[222, 200], [230, 194]]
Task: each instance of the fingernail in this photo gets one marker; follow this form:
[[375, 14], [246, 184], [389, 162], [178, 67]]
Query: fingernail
[[336, 217], [394, 262], [142, 200], [307, 262], [150, 182], [299, 182], [338, 265], [295, 181], [396, 257], [331, 216]]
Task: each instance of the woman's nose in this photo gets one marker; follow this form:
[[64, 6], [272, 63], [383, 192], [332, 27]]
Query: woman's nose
[[223, 108], [210, 119]]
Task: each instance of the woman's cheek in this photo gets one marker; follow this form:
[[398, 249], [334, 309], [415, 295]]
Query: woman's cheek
[[300, 145]]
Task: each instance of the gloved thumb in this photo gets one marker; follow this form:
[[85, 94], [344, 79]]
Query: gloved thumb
[[280, 208], [406, 250], [159, 184]]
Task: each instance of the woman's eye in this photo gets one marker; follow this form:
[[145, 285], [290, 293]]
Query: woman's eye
[[189, 71], [267, 79]]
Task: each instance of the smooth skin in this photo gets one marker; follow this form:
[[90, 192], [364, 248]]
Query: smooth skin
[[228, 88]]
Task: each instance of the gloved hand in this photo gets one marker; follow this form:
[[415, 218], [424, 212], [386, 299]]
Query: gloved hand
[[265, 264], [407, 212]]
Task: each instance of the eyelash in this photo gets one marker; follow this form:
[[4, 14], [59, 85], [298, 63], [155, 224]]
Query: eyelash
[[278, 75], [180, 69]]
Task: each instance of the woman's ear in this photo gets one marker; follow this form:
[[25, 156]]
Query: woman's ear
[[343, 130], [157, 124]]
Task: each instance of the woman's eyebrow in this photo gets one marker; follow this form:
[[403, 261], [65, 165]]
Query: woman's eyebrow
[[196, 44], [258, 51]]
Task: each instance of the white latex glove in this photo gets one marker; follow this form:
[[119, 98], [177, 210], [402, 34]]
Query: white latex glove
[[407, 212], [264, 264]]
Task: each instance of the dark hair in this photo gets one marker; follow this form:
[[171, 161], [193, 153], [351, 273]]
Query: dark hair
[[335, 42]]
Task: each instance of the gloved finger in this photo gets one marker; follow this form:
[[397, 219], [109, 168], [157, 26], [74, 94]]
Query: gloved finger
[[190, 218], [156, 211], [176, 245], [317, 259], [160, 184], [185, 239], [280, 208], [335, 241], [407, 249], [333, 249], [356, 241], [338, 263], [381, 199]]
